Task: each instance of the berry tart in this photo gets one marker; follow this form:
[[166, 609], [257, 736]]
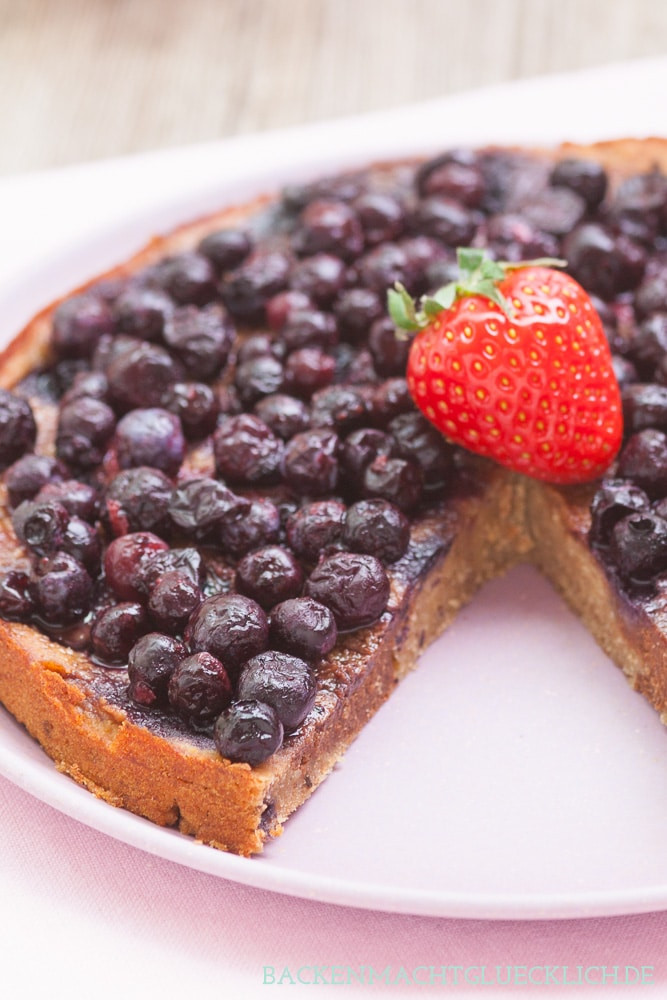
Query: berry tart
[[237, 504]]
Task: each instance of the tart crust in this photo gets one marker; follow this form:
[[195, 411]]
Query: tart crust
[[148, 764]]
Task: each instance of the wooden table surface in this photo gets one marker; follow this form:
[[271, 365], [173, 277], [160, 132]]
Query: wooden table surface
[[83, 79]]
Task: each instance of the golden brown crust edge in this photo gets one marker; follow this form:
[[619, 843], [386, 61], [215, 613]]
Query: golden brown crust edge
[[171, 782]]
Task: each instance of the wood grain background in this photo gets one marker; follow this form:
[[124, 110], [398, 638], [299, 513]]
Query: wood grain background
[[83, 79]]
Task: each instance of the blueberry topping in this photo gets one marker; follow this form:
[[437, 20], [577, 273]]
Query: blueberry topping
[[226, 248], [138, 500], [309, 328], [417, 440], [355, 587], [250, 529], [586, 177], [186, 561], [382, 217], [248, 732], [16, 601], [83, 541], [356, 309], [125, 562], [303, 627], [142, 312], [27, 475], [310, 462], [390, 352], [190, 278], [41, 526], [201, 339], [644, 460], [85, 427], [269, 575], [199, 689], [446, 220], [199, 506], [639, 547], [247, 452], [308, 370], [315, 528], [320, 277], [63, 590], [283, 681], [257, 377], [18, 430], [614, 499], [232, 627], [150, 664], [327, 226], [173, 599], [377, 528], [247, 289], [141, 376], [398, 480], [78, 324], [284, 415], [152, 437], [280, 307], [116, 630]]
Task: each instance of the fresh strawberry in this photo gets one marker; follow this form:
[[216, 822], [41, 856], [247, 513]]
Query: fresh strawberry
[[511, 362]]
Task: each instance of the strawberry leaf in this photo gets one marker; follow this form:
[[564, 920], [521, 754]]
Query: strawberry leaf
[[402, 308]]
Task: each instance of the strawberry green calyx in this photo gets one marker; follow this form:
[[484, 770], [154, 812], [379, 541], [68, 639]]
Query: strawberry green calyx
[[478, 275]]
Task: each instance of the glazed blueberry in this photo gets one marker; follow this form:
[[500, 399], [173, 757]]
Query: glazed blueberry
[[142, 312], [377, 528], [140, 377], [354, 586], [639, 206], [63, 590], [644, 405], [586, 177], [283, 681], [229, 626], [199, 689], [602, 263], [87, 383], [173, 599], [614, 500], [41, 526], [246, 290], [259, 526], [418, 440], [18, 429], [308, 370], [309, 328], [199, 506], [248, 732], [83, 541], [78, 324], [383, 266], [398, 480], [257, 377], [639, 546], [201, 339], [258, 345], [320, 277], [226, 248], [152, 437], [150, 664], [310, 462], [190, 278], [196, 406], [282, 306], [269, 575], [391, 398], [27, 475], [85, 428], [284, 415], [382, 217], [363, 446], [555, 210], [327, 226], [446, 220], [356, 309], [649, 346], [185, 561], [116, 630], [109, 348], [624, 370], [390, 351], [16, 602], [651, 296], [339, 407], [78, 498], [644, 460], [124, 562], [426, 256], [511, 237], [303, 627], [316, 527], [228, 400], [138, 500], [340, 187], [455, 174], [246, 451]]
